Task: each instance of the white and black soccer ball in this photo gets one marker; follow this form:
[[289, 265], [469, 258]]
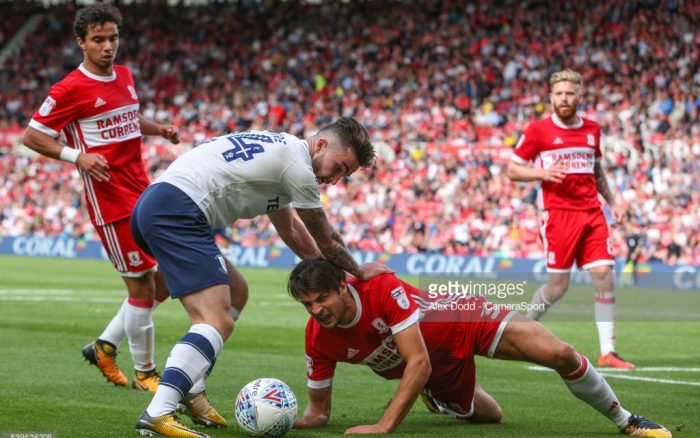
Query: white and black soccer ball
[[266, 407]]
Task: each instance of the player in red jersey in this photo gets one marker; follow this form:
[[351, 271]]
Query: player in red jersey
[[97, 109], [429, 342], [565, 149]]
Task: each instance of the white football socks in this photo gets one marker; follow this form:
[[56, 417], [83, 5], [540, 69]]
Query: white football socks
[[200, 385], [138, 324], [588, 385], [540, 305], [189, 361], [114, 332], [605, 320]]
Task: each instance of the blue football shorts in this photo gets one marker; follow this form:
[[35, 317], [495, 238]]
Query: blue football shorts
[[167, 224]]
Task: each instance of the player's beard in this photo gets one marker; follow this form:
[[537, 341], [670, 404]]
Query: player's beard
[[566, 114]]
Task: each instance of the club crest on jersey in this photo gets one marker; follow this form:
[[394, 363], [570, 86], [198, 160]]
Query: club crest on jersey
[[134, 258], [48, 106], [399, 295], [380, 325], [132, 91], [591, 139]]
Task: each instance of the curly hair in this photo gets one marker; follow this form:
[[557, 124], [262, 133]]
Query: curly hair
[[93, 15]]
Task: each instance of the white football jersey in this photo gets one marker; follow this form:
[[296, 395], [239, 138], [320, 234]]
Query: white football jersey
[[245, 174]]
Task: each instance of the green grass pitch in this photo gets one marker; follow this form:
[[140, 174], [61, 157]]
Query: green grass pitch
[[50, 308]]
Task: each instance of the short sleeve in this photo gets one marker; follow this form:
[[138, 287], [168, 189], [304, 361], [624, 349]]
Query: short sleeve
[[527, 147], [400, 310], [300, 182], [58, 109], [319, 368]]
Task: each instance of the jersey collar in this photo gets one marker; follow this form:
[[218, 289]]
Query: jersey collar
[[557, 121], [358, 303], [85, 71]]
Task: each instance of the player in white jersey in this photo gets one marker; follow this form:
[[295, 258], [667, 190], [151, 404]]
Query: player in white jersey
[[240, 175], [243, 175]]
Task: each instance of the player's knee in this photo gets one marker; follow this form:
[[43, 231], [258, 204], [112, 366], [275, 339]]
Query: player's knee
[[486, 408], [225, 326], [602, 275], [488, 413], [563, 358], [556, 291], [498, 415], [142, 288], [495, 414]]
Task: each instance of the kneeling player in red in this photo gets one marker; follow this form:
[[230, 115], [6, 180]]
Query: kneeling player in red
[[402, 333]]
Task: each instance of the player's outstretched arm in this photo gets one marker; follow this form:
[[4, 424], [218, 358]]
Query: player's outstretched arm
[[520, 172], [331, 244], [318, 412], [293, 233], [328, 240], [415, 375], [168, 132], [95, 165]]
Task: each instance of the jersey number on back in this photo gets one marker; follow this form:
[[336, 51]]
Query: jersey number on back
[[245, 146]]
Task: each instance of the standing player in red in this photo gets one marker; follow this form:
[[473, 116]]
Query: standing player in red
[[429, 342], [97, 108], [565, 149]]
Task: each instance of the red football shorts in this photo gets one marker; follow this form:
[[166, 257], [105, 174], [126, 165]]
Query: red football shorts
[[573, 235], [125, 254], [452, 382]]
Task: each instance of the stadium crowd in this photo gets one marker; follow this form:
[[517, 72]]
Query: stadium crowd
[[444, 87]]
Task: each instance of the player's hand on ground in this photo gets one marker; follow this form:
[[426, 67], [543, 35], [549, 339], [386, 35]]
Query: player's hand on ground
[[371, 270], [94, 165], [365, 429], [171, 133], [556, 173]]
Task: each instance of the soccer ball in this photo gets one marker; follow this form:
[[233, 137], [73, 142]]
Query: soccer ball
[[266, 407]]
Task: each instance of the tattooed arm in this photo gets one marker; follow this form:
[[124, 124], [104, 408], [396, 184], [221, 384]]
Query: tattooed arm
[[293, 233], [601, 183], [328, 240]]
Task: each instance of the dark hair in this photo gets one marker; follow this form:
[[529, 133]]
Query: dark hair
[[352, 134], [95, 14], [317, 274]]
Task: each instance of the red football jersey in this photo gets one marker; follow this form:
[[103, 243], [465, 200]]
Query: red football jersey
[[385, 306], [550, 140], [100, 114]]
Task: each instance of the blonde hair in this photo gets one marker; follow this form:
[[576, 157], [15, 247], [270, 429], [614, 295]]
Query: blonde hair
[[566, 76]]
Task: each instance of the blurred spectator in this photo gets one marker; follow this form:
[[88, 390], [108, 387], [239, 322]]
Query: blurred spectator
[[444, 87]]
